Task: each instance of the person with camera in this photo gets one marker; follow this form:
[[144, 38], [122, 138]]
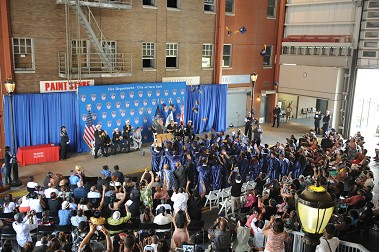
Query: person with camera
[[96, 246], [275, 235], [242, 236], [236, 190], [23, 225], [220, 235]]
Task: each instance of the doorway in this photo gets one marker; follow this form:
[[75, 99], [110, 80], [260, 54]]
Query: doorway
[[263, 109], [321, 105]]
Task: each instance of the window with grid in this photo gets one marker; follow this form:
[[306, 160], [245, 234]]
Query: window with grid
[[229, 7], [171, 55], [267, 59], [173, 4], [149, 2], [148, 55], [271, 9], [209, 5], [227, 57], [110, 48], [207, 54], [79, 53], [23, 54]]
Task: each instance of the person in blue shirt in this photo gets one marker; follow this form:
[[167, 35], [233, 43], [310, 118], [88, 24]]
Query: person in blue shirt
[[74, 179], [65, 214], [105, 171], [80, 192]]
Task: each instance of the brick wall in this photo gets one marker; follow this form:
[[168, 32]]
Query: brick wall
[[44, 21]]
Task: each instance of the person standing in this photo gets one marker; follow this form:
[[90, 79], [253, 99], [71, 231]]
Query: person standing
[[22, 226], [289, 112], [7, 163], [248, 123], [127, 129], [328, 242], [235, 191], [258, 132], [317, 118], [99, 140], [64, 142], [325, 123], [276, 111]]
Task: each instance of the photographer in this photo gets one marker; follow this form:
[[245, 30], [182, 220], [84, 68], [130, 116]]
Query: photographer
[[220, 236], [275, 235], [96, 246], [23, 225]]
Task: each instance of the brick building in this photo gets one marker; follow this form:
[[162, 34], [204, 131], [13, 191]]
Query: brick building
[[128, 41]]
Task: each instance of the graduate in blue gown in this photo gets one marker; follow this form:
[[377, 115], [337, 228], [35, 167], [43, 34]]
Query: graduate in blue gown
[[243, 165], [204, 175], [255, 168], [284, 164], [299, 166], [156, 154], [274, 167], [216, 176]]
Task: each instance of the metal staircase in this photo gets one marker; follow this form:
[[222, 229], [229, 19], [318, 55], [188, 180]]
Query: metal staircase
[[101, 62]]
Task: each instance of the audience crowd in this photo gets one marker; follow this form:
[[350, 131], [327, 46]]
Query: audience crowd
[[114, 212]]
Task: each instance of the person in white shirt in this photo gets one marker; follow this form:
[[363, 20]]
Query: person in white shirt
[[49, 190], [328, 243], [162, 218], [75, 220], [93, 193], [9, 206], [22, 226], [31, 185], [180, 200], [258, 240]]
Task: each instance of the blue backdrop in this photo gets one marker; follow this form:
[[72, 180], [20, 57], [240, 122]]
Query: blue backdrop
[[112, 105], [206, 107], [38, 118]]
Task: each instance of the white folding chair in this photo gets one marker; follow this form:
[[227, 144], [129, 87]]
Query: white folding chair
[[225, 206], [212, 197], [225, 193]]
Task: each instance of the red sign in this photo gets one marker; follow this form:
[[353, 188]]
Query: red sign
[[63, 85]]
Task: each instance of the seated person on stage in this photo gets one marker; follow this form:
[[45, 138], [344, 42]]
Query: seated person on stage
[[108, 146], [117, 140], [160, 128], [171, 128], [137, 138]]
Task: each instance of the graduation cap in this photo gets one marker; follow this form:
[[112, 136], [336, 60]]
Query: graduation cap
[[242, 30]]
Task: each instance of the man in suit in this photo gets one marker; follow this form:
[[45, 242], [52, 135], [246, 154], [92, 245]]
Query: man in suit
[[325, 123], [64, 141], [317, 118], [276, 111], [127, 129], [99, 140]]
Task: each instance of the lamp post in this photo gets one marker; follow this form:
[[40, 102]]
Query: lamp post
[[253, 78], [10, 86], [315, 207]]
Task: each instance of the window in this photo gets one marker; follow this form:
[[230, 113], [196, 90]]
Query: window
[[23, 54], [148, 55], [209, 5], [171, 55], [110, 48], [229, 6], [271, 9], [173, 4], [79, 53], [227, 57], [149, 2], [207, 54], [267, 58]]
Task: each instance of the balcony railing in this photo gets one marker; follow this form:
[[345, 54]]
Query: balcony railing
[[91, 65], [108, 4]]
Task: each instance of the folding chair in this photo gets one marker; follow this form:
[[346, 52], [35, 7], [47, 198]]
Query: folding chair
[[212, 197], [7, 234], [162, 230]]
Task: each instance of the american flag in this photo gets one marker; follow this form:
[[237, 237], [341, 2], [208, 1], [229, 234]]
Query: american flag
[[89, 130], [182, 112]]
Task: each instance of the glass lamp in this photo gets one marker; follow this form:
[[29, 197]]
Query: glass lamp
[[10, 86], [254, 77], [315, 207]]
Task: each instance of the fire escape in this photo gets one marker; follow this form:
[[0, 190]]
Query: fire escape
[[91, 56]]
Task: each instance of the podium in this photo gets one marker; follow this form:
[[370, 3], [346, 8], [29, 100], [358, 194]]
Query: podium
[[160, 138]]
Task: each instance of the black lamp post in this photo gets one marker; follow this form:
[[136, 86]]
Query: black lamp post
[[315, 207], [253, 78], [10, 86]]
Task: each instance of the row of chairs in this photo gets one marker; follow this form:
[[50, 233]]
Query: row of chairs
[[215, 197]]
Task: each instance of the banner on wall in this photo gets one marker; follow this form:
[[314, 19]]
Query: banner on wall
[[112, 105], [63, 85]]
